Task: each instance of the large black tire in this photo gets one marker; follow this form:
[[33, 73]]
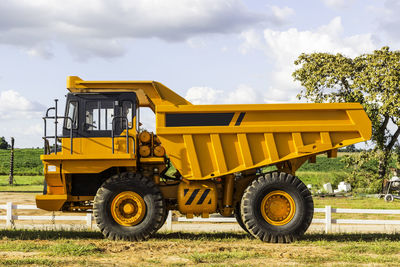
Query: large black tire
[[255, 221], [150, 194], [238, 217], [163, 220]]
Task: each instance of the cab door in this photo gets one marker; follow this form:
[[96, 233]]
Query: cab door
[[102, 124]]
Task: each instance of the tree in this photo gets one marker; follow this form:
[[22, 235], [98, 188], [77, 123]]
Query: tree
[[3, 143], [370, 79], [350, 148]]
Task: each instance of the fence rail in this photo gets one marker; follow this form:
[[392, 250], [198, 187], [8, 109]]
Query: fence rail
[[10, 217]]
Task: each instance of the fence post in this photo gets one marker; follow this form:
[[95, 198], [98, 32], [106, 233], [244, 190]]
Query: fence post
[[169, 221], [328, 219], [11, 177], [89, 220], [9, 215]]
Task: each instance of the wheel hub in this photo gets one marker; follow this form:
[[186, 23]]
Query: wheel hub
[[128, 208], [278, 207]]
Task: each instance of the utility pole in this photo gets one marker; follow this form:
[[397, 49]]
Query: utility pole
[[11, 177]]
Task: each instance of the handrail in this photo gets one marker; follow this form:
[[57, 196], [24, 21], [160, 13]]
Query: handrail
[[55, 136], [127, 132], [56, 117], [45, 129]]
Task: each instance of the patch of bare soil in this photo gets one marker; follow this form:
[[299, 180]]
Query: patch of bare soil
[[17, 198]]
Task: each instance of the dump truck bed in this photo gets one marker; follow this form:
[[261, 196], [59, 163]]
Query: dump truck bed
[[206, 141]]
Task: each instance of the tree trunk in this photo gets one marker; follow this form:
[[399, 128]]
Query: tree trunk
[[382, 167], [384, 158]]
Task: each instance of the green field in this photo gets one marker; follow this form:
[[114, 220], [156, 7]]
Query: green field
[[72, 248], [22, 183], [26, 162]]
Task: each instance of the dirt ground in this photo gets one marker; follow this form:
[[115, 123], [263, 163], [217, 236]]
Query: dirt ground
[[17, 198]]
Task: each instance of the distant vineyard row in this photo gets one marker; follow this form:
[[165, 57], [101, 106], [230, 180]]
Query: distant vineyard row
[[26, 162]]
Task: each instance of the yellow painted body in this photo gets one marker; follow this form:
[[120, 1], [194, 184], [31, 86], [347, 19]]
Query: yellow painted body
[[268, 134], [285, 135], [197, 198]]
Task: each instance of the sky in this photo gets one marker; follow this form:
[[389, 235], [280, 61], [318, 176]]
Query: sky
[[208, 51]]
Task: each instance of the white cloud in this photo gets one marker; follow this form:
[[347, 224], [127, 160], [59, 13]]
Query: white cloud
[[285, 46], [389, 21], [14, 106], [20, 118], [243, 94], [251, 40], [203, 95], [339, 4], [33, 130], [100, 27], [282, 14], [196, 42], [41, 50]]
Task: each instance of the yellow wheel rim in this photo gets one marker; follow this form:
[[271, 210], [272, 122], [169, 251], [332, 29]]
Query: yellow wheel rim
[[128, 208], [278, 207]]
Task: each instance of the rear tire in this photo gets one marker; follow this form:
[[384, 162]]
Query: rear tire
[[277, 208], [238, 217], [116, 207]]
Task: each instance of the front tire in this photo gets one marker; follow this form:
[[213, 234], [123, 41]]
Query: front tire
[[129, 207], [277, 208]]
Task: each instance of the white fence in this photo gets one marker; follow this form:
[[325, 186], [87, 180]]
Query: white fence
[[10, 217], [88, 218], [328, 221]]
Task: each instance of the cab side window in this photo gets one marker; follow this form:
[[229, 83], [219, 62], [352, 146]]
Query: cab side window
[[99, 115], [72, 113]]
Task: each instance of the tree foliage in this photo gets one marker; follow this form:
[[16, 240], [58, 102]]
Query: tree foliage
[[370, 79], [363, 175], [3, 143]]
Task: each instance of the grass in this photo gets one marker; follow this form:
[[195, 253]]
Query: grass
[[22, 188], [29, 261], [357, 202], [26, 161], [219, 257], [40, 247], [22, 183], [63, 247]]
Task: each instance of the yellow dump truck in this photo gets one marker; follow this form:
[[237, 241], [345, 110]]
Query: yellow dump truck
[[102, 162]]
